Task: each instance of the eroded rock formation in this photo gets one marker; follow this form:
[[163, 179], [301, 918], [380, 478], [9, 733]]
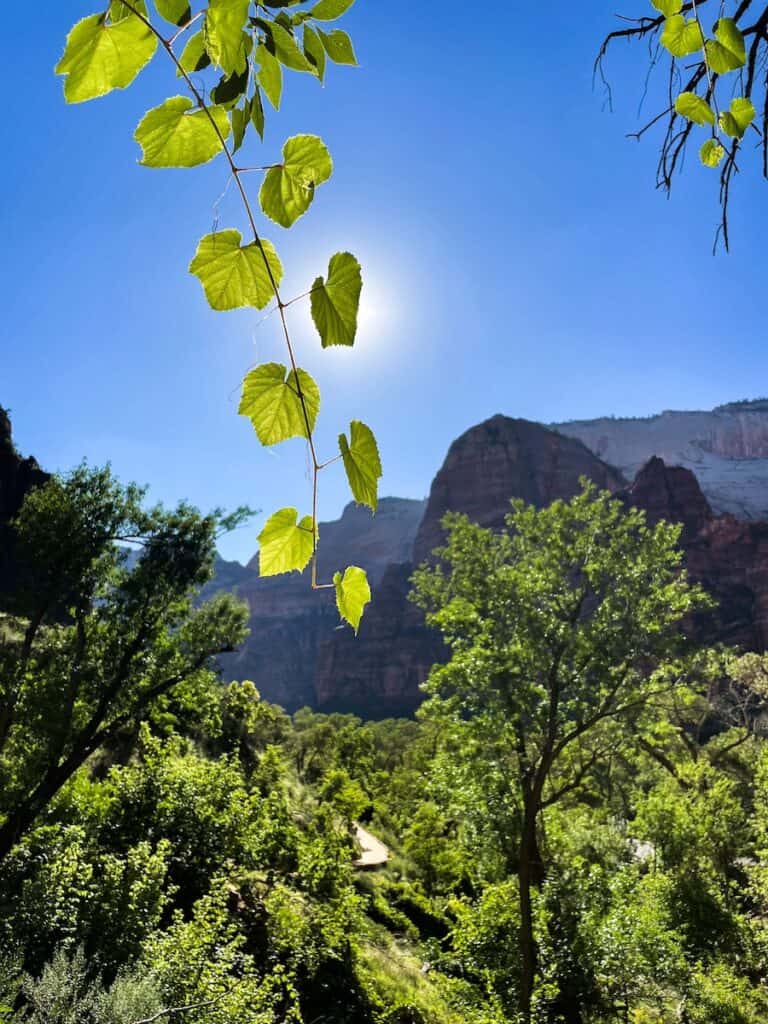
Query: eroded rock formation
[[17, 477]]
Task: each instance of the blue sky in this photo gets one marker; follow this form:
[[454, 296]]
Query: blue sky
[[516, 256]]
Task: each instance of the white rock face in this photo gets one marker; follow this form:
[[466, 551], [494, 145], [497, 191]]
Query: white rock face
[[726, 448]]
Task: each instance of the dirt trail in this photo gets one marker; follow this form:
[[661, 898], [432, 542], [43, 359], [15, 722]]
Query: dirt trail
[[374, 852]]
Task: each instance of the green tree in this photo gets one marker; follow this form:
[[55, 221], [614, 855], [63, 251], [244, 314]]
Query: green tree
[[99, 638], [563, 624]]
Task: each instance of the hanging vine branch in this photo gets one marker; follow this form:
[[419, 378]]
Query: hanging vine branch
[[249, 44], [724, 85]]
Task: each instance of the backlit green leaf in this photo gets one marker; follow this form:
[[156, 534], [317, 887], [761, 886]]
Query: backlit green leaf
[[118, 10], [314, 50], [101, 56], [175, 135], [288, 189], [287, 50], [362, 463], [270, 75], [727, 51], [711, 153], [734, 122], [271, 401], [352, 595], [178, 12], [285, 544], [681, 36], [235, 275], [338, 46], [335, 302], [689, 105], [194, 56], [330, 10], [668, 7], [226, 42]]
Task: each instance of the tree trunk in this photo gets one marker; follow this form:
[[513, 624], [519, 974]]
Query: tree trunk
[[23, 817], [530, 874]]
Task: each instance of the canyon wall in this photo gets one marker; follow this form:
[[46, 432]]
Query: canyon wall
[[727, 449]]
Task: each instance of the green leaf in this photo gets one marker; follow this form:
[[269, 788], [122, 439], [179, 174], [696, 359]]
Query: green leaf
[[338, 46], [240, 118], [727, 51], [682, 36], [194, 56], [289, 188], [689, 105], [314, 50], [711, 153], [285, 545], [287, 50], [668, 7], [743, 111], [270, 75], [172, 135], [335, 303], [100, 57], [235, 275], [178, 12], [226, 42], [352, 595], [362, 463], [228, 91], [257, 112], [734, 122], [330, 10], [271, 401], [118, 10]]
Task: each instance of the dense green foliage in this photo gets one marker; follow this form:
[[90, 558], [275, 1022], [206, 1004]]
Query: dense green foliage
[[237, 51], [196, 860]]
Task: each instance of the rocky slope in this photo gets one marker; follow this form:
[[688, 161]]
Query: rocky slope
[[727, 449], [17, 477]]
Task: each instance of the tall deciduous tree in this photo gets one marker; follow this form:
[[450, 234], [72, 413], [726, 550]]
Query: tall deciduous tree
[[99, 637], [561, 629]]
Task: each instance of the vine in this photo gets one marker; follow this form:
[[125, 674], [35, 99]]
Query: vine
[[720, 59], [250, 43]]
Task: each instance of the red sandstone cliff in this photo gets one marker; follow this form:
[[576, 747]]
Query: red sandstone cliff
[[727, 556], [504, 458], [485, 468]]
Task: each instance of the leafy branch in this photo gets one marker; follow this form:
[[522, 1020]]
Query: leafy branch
[[677, 28], [250, 44]]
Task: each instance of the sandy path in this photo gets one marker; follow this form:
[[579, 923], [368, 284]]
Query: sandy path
[[374, 852]]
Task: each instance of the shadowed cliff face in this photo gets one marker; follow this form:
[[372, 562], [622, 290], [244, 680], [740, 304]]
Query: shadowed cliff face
[[17, 477], [298, 654], [727, 556], [485, 468], [290, 622], [501, 459]]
